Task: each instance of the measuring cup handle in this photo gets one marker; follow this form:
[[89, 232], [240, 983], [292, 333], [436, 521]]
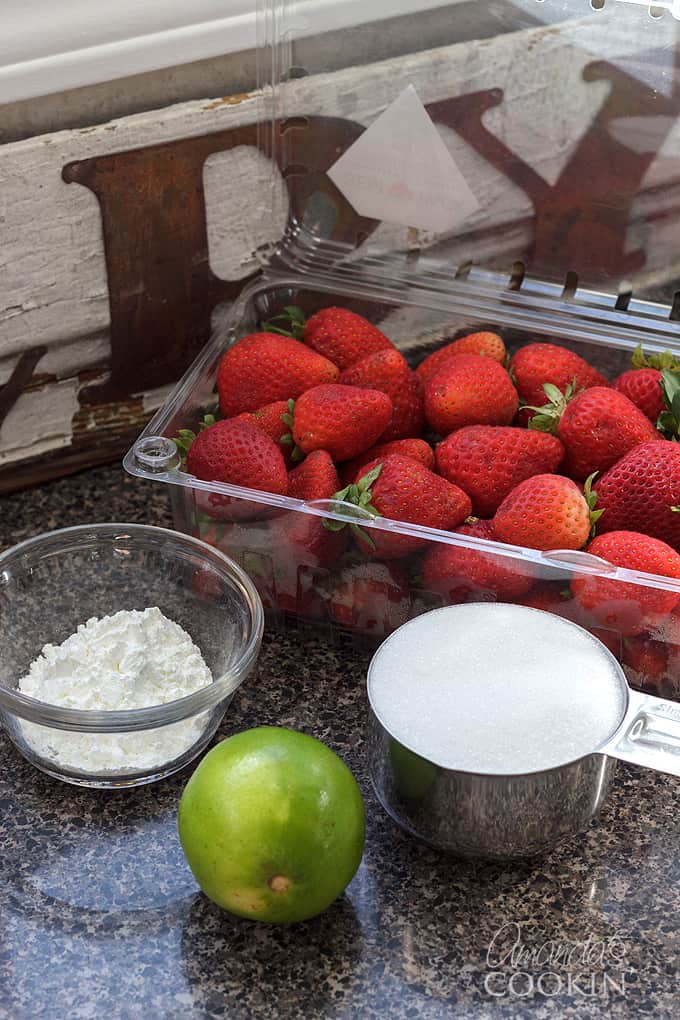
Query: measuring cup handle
[[649, 735]]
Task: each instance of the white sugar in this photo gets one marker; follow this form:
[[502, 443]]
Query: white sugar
[[495, 688]]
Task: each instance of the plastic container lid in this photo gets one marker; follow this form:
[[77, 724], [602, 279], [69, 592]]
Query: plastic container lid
[[533, 143]]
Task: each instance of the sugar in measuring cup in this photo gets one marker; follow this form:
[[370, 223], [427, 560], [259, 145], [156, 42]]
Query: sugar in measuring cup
[[494, 729]]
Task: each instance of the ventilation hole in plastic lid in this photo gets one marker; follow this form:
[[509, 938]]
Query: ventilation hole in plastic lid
[[656, 12], [570, 284], [517, 275], [675, 307], [295, 71], [623, 299], [597, 5], [290, 123], [463, 270], [295, 170]]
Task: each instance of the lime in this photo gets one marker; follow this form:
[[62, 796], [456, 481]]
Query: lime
[[413, 775], [272, 825]]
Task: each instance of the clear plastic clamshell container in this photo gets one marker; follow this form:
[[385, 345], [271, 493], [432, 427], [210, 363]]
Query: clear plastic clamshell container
[[519, 171]]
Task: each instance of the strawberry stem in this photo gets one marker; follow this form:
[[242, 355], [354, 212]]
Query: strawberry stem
[[668, 421], [591, 500], [292, 323], [287, 438], [548, 417], [665, 360], [357, 494]]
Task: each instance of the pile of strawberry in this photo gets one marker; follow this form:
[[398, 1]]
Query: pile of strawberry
[[536, 450]]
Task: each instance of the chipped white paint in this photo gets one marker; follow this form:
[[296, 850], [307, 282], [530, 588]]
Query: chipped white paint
[[39, 421]]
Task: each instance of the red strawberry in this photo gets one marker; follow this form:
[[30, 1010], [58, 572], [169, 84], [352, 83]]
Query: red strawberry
[[416, 449], [343, 336], [552, 597], [344, 420], [488, 344], [468, 574], [275, 420], [536, 364], [240, 454], [237, 453], [264, 367], [642, 386], [388, 371], [489, 461], [315, 478], [645, 662], [403, 490], [301, 538], [469, 390], [372, 598], [640, 491], [597, 427], [544, 512], [626, 607]]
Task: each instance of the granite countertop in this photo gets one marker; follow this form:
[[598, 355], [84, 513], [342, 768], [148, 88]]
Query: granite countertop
[[101, 917]]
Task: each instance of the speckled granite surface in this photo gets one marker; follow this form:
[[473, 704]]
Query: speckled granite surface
[[99, 915]]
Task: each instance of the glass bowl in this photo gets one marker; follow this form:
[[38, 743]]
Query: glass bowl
[[54, 582]]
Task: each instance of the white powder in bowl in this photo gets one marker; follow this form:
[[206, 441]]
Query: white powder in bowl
[[133, 659]]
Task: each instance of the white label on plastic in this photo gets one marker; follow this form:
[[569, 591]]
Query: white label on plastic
[[400, 171]]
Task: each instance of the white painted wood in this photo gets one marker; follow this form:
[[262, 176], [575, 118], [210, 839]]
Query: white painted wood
[[40, 421]]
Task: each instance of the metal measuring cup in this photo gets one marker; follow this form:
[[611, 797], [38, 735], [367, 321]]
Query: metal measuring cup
[[501, 817]]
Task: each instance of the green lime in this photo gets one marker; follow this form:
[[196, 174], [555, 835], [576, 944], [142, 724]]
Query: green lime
[[272, 825], [413, 775]]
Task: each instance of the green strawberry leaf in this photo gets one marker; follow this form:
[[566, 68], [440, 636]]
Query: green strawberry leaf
[[362, 535], [290, 323], [638, 359], [591, 500], [675, 509], [664, 361], [366, 481], [297, 455], [548, 417], [668, 421]]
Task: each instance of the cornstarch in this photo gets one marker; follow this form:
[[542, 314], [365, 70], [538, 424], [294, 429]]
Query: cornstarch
[[132, 659]]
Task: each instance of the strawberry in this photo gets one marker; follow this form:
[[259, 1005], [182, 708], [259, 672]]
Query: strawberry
[[275, 420], [488, 462], [315, 478], [344, 420], [389, 372], [468, 574], [623, 606], [372, 598], [645, 662], [552, 597], [403, 490], [642, 386], [597, 427], [470, 389], [237, 453], [301, 538], [416, 449], [545, 512], [338, 334], [536, 364], [488, 344], [263, 367], [641, 492]]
